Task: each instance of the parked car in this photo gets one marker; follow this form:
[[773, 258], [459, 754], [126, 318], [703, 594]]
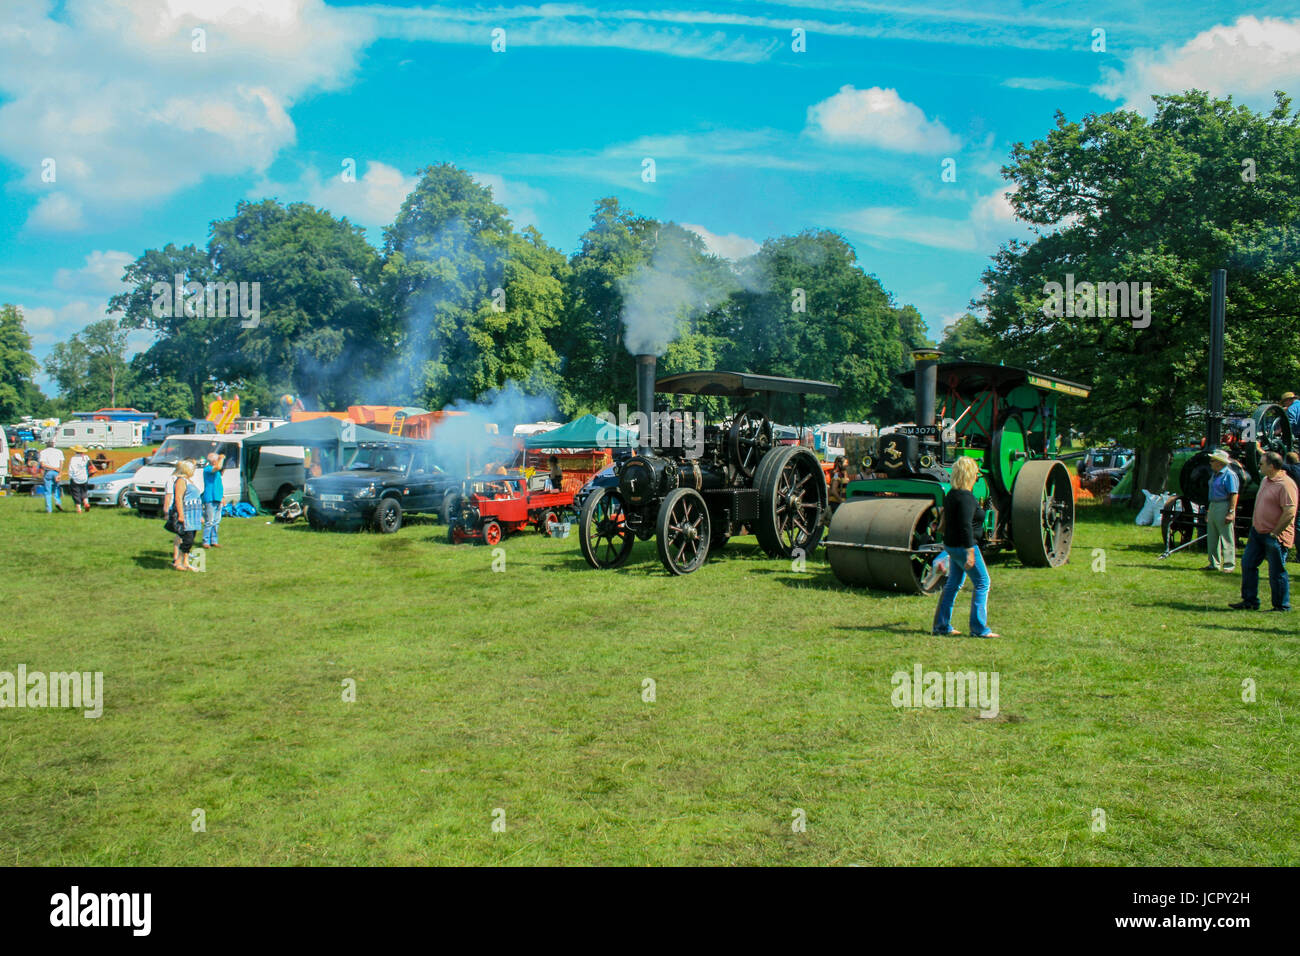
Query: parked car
[[280, 470], [1103, 459], [110, 488], [383, 482]]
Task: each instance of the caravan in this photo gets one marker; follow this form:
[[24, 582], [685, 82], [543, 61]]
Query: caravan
[[94, 434], [829, 438], [280, 470]]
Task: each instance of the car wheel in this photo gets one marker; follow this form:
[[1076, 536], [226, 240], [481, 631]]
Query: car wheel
[[121, 498], [388, 516], [450, 506], [492, 533]]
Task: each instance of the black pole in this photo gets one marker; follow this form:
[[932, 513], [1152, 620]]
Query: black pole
[[1214, 407]]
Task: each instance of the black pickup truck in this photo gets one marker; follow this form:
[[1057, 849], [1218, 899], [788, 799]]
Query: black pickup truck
[[384, 481]]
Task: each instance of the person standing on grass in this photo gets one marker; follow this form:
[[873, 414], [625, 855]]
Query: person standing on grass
[[1272, 531], [184, 504], [961, 516], [839, 481], [51, 460], [213, 492], [79, 472], [1291, 405], [1224, 488]]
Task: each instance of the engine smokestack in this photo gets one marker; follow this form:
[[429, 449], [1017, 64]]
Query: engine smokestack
[[1214, 405], [927, 380], [645, 393]]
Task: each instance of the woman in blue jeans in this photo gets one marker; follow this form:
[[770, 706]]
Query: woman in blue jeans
[[960, 516]]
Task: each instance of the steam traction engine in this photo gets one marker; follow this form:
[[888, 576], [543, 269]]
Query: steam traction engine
[[886, 533], [692, 496]]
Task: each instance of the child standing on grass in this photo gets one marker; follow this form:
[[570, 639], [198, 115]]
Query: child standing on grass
[[961, 514]]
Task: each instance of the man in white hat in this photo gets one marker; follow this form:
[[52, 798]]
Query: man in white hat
[[1221, 546]]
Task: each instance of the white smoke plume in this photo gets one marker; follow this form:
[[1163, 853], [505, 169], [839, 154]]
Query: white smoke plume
[[467, 440], [662, 296]]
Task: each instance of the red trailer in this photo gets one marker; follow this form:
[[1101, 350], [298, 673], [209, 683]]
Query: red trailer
[[493, 506]]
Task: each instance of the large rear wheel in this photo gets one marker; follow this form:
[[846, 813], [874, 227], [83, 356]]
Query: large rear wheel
[[1042, 514], [604, 536], [683, 531], [792, 501]]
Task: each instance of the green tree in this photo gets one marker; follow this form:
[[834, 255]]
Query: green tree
[[808, 310], [968, 339], [320, 332], [475, 300], [17, 390], [1120, 198], [193, 347]]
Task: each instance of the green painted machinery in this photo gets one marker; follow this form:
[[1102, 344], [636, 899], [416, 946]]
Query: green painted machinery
[[885, 534]]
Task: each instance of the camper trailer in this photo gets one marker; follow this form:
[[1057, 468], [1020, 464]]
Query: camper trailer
[[94, 434], [829, 438]]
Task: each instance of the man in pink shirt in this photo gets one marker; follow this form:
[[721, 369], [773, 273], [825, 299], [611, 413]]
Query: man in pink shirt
[[1272, 532]]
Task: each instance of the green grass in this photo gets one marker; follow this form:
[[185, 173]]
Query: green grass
[[521, 690]]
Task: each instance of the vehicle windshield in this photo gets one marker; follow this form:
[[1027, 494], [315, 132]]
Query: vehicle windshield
[[380, 458], [131, 467], [195, 448]]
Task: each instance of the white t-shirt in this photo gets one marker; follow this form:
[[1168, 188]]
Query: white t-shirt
[[51, 459], [78, 469]]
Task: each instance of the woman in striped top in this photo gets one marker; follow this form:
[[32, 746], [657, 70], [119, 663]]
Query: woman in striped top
[[183, 499]]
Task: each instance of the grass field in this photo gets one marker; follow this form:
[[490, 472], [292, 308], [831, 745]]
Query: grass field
[[521, 691]]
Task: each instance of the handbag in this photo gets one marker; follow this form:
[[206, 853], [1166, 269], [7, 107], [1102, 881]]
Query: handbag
[[170, 525]]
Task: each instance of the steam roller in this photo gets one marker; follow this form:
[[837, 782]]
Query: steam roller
[[886, 534]]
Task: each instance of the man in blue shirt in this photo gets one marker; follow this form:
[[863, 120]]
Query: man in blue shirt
[[1291, 404], [212, 495], [1224, 489]]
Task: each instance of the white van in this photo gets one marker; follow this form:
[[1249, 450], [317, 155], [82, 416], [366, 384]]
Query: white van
[[280, 470]]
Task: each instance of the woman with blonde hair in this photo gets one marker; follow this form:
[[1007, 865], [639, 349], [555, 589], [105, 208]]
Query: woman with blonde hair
[[183, 506], [961, 518]]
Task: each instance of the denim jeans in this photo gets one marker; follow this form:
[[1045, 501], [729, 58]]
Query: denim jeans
[[211, 521], [979, 601], [1258, 548], [53, 493]]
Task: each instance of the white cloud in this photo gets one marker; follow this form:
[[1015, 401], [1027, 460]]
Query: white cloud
[[520, 199], [370, 200], [50, 324], [56, 212], [880, 118], [730, 246], [114, 93], [990, 222], [101, 273], [1248, 59]]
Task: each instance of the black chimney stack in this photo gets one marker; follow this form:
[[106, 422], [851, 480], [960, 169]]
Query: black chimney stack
[[645, 394], [1214, 407], [927, 380]]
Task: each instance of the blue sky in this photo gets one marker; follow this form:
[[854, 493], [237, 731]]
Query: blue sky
[[152, 140]]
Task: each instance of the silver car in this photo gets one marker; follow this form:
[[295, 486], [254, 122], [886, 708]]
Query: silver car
[[110, 488]]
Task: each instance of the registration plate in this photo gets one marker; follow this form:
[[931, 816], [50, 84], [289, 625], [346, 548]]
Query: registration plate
[[150, 501], [331, 497]]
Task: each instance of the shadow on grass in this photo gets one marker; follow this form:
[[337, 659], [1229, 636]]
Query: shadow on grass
[[151, 561]]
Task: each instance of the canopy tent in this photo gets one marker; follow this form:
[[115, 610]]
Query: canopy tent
[[334, 439], [585, 432]]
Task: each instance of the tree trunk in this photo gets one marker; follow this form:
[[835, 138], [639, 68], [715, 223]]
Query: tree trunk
[[1150, 472]]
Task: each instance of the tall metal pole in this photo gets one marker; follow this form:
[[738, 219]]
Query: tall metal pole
[[1214, 407]]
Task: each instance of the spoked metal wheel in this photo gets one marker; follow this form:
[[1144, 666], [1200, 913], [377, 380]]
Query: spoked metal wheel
[[683, 531], [545, 522], [604, 536], [886, 544], [1178, 525], [749, 439], [1042, 514], [792, 500], [492, 533]]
